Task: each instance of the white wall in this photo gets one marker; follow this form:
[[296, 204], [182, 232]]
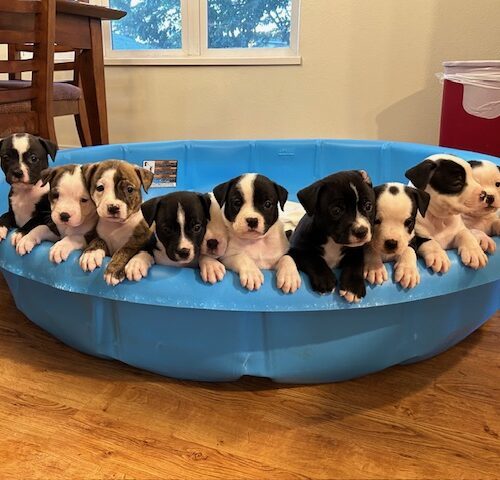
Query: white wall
[[368, 72]]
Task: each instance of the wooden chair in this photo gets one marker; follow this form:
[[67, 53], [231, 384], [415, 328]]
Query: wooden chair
[[32, 105]]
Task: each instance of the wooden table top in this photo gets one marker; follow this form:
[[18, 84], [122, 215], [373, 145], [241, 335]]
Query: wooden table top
[[73, 7]]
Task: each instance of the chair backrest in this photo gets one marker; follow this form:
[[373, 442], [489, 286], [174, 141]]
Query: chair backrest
[[29, 22]]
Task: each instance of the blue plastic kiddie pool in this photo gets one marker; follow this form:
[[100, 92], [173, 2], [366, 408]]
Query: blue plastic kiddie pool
[[174, 324]]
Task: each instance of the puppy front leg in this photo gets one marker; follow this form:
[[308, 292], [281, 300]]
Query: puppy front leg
[[93, 256], [485, 241], [211, 270], [434, 256], [374, 270], [36, 236], [287, 275], [7, 221], [470, 251], [406, 269], [250, 275], [352, 284], [115, 271], [320, 275], [138, 266], [60, 251]]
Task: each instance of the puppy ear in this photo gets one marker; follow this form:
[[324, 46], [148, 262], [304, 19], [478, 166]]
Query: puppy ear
[[421, 174], [88, 171], [366, 178], [50, 147], [282, 195], [220, 192], [47, 175], [308, 197], [149, 210], [145, 176], [206, 201], [475, 163], [421, 199]]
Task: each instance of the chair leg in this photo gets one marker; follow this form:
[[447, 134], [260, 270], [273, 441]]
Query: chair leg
[[82, 124], [47, 128]]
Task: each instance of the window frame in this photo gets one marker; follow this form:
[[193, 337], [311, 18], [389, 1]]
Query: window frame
[[195, 49]]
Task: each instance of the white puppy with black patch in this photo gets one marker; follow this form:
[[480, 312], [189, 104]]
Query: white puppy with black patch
[[453, 192], [257, 239], [393, 234], [73, 211]]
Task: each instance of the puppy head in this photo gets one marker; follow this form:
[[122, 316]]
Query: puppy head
[[24, 157], [69, 198], [250, 204], [397, 207], [487, 175], [343, 206], [215, 240], [450, 183], [115, 188], [181, 221]]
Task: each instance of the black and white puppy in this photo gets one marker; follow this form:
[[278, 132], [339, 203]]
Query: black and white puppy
[[340, 213], [486, 219], [453, 191], [23, 158], [257, 239], [393, 234], [73, 211], [180, 222]]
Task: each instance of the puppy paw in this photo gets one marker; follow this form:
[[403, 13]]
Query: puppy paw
[[287, 276], [59, 252], [92, 259], [407, 275], [352, 290], [438, 261], [3, 233], [138, 267], [251, 278], [473, 256], [114, 274], [486, 243], [16, 237], [323, 284], [26, 244], [211, 270], [375, 275]]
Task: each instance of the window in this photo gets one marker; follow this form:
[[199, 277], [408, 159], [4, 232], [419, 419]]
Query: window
[[203, 32]]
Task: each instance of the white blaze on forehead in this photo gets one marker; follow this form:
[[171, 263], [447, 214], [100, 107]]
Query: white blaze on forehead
[[246, 187], [355, 191], [181, 220], [22, 144]]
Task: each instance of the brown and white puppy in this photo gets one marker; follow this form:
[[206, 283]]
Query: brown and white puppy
[[256, 235], [393, 234], [73, 211], [485, 221], [453, 192], [122, 232]]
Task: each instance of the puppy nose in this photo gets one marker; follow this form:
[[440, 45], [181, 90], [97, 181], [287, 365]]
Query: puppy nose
[[490, 199], [390, 245], [212, 244], [113, 209], [253, 222], [64, 216], [360, 232], [183, 253], [18, 173]]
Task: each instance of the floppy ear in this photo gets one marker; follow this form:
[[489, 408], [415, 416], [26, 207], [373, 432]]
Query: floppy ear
[[475, 163], [149, 210], [88, 171], [50, 147], [47, 175], [366, 178], [421, 199], [206, 201], [220, 192], [145, 176], [420, 174], [282, 194], [308, 197]]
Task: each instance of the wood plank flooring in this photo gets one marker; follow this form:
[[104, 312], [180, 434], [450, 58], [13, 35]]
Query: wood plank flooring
[[67, 415]]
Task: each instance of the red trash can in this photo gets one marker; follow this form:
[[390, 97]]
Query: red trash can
[[470, 114]]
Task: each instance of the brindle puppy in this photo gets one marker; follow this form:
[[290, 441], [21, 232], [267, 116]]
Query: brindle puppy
[[115, 188]]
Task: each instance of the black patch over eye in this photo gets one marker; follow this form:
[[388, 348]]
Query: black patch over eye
[[408, 222], [196, 227], [268, 204], [100, 188], [368, 206], [378, 221]]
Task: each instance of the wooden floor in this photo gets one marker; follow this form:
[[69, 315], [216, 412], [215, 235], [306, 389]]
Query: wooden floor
[[66, 415]]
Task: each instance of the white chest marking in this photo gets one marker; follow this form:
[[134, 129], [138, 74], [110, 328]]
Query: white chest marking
[[24, 199], [332, 253], [116, 235], [443, 230]]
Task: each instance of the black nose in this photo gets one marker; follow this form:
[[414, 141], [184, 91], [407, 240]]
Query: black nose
[[64, 216], [253, 222], [490, 199], [390, 245], [183, 253], [212, 244], [113, 209], [360, 232], [18, 173]]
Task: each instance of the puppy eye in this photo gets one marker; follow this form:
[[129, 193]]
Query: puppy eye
[[99, 188], [368, 206], [33, 159], [378, 221], [5, 158], [237, 202], [268, 204], [55, 196], [130, 189], [497, 184], [408, 222], [336, 211], [196, 227], [84, 200]]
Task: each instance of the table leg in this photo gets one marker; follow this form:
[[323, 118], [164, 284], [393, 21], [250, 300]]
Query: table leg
[[93, 85]]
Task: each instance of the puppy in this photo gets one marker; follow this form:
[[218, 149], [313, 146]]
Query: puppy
[[394, 233], [122, 232], [180, 220], [486, 219], [453, 191], [340, 213], [23, 158], [256, 236], [73, 211]]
